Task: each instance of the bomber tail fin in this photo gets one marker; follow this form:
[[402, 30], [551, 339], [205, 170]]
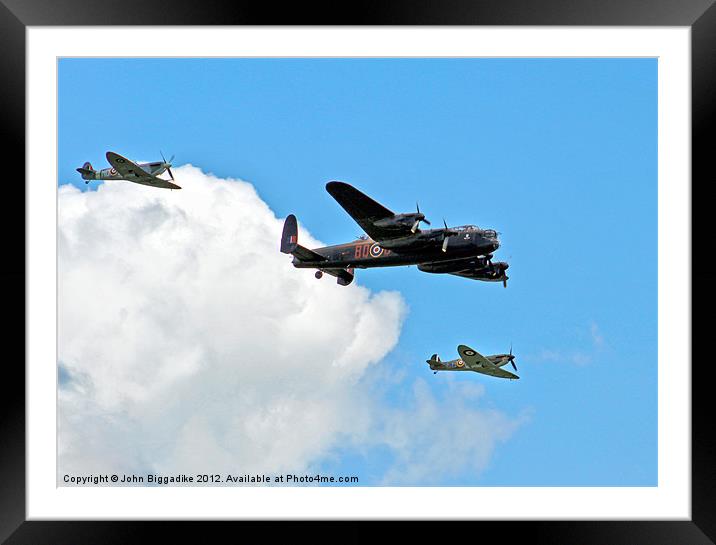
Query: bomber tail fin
[[309, 258], [289, 238], [290, 245]]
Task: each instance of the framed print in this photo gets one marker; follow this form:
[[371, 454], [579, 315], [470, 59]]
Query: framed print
[[201, 342]]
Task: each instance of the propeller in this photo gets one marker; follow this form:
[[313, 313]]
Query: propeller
[[420, 217], [503, 268], [446, 235], [168, 164], [512, 358]]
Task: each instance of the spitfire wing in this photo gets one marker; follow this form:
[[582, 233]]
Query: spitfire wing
[[472, 358], [498, 372], [126, 168], [132, 172], [477, 362], [364, 210], [158, 182]]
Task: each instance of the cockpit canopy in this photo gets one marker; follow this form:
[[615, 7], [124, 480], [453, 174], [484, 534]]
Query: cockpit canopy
[[488, 233]]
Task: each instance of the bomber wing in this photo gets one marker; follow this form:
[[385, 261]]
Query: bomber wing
[[132, 172], [478, 362], [364, 210]]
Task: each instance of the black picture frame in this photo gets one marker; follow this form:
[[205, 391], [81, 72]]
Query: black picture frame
[[16, 15]]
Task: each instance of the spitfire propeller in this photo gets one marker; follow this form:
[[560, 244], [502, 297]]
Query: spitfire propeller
[[512, 358], [418, 218], [168, 165]]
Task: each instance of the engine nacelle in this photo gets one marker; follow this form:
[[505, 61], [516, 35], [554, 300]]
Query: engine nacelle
[[400, 221], [478, 268], [442, 267], [492, 273]]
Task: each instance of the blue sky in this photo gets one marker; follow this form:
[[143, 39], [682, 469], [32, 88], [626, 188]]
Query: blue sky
[[558, 155]]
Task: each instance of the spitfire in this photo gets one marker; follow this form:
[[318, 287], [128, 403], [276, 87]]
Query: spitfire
[[394, 240], [471, 360], [124, 169]]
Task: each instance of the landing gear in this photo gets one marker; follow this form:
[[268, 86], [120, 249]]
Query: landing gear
[[435, 372], [86, 181], [319, 274]]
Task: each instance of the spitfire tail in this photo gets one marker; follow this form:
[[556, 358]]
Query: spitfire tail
[[87, 171], [433, 359]]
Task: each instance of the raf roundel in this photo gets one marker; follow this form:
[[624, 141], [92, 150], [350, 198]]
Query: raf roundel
[[470, 352], [460, 363], [376, 250]]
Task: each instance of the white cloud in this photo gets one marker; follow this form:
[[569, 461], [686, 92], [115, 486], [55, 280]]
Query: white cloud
[[435, 437], [597, 337], [191, 343], [594, 345]]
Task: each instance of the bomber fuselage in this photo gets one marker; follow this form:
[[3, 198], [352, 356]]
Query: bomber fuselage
[[468, 241]]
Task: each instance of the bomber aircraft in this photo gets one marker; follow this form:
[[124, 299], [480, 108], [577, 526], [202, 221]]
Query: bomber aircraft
[[124, 169], [396, 239], [470, 360]]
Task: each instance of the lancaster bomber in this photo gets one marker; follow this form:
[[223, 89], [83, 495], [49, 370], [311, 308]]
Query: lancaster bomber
[[470, 360], [396, 239], [123, 169]]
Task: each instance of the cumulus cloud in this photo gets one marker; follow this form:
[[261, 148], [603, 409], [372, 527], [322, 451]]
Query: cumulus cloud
[[189, 343]]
